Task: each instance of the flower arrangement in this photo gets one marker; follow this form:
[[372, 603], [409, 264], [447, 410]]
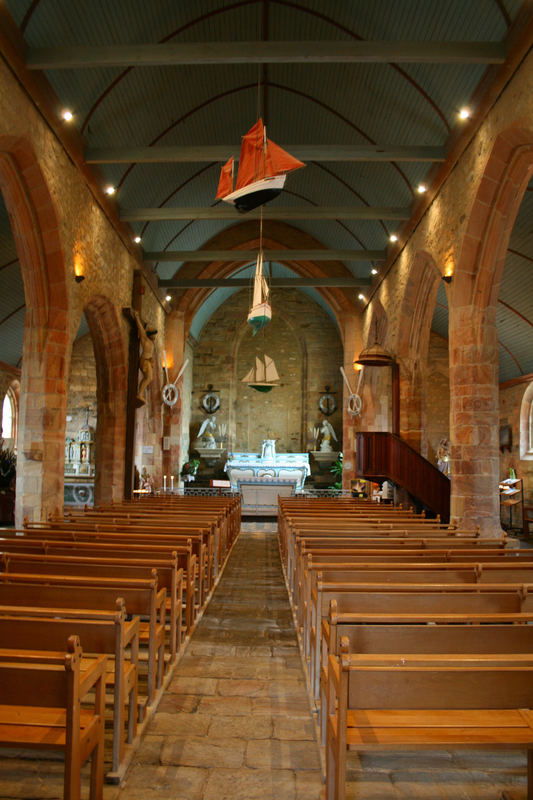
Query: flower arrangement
[[189, 469], [8, 465]]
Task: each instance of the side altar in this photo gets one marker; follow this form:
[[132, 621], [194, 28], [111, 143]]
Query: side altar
[[261, 477]]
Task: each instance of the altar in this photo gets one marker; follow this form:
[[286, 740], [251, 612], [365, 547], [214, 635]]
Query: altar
[[261, 477]]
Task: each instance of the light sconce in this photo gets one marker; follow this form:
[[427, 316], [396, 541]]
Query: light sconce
[[79, 278], [447, 278]]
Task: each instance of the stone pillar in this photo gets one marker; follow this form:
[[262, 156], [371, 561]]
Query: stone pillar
[[174, 348], [474, 418], [353, 344], [41, 446]]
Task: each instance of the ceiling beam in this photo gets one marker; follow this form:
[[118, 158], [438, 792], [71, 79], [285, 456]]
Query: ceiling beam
[[305, 152], [224, 212], [276, 283], [332, 52], [268, 255]]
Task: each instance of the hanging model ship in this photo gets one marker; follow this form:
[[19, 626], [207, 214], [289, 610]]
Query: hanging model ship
[[263, 376], [263, 168], [261, 311]]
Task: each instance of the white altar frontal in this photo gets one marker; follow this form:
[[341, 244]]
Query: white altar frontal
[[261, 477]]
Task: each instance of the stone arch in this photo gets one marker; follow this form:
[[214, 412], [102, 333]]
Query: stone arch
[[35, 226], [412, 343], [474, 397], [276, 236], [111, 392]]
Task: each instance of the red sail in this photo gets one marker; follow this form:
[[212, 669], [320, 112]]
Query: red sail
[[260, 158], [225, 184]]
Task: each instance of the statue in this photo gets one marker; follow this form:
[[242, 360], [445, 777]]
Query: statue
[[207, 433], [443, 457], [326, 432], [268, 451], [147, 356], [146, 482]]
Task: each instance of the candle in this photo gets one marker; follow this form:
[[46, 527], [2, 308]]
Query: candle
[[172, 483], [164, 483]]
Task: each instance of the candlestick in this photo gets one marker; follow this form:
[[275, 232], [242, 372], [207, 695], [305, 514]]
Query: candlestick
[[172, 483], [164, 483]]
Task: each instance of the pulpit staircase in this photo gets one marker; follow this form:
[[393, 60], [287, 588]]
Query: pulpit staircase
[[385, 456]]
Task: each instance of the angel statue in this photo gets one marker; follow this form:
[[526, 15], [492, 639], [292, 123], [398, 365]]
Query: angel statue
[[207, 432], [326, 433]]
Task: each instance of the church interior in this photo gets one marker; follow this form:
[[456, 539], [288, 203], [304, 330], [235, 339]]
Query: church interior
[[265, 385]]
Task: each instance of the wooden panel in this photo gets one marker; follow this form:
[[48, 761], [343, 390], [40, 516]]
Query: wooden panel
[[384, 456]]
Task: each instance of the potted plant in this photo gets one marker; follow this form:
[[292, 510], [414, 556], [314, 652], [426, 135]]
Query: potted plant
[[336, 469], [189, 469]]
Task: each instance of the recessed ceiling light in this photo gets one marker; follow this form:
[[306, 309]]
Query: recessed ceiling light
[[393, 237], [67, 115], [464, 113], [137, 240], [168, 298], [374, 271], [421, 188], [110, 190]]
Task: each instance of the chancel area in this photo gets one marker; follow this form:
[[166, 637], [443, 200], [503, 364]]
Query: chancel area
[[266, 371]]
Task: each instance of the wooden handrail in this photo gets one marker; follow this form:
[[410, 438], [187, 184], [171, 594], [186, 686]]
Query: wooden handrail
[[384, 456]]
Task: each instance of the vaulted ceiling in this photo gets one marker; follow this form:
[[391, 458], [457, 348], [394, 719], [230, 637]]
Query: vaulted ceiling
[[366, 93]]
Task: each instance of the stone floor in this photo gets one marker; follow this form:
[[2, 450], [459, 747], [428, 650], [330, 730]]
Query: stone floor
[[235, 721]]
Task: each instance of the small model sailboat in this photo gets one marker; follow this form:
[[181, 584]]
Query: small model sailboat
[[261, 312], [262, 377], [263, 168]]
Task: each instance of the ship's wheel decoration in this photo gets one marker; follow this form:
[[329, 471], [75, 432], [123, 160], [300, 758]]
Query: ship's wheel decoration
[[354, 403], [170, 392]]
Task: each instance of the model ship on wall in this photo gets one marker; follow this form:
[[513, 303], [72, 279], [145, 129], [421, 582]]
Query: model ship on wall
[[263, 168], [263, 376]]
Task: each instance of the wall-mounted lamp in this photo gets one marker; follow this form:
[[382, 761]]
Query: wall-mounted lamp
[[79, 278], [447, 278]]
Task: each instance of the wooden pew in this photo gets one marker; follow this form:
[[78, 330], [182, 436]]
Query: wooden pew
[[169, 577], [197, 542], [466, 634], [408, 599], [40, 709], [424, 702], [142, 598], [102, 633]]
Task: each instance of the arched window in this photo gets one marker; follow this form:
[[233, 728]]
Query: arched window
[[8, 415], [526, 425]]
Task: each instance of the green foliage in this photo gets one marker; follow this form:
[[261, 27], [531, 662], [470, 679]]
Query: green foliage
[[336, 469], [190, 467]]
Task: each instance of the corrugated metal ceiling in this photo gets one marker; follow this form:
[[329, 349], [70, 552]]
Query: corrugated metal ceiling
[[304, 104]]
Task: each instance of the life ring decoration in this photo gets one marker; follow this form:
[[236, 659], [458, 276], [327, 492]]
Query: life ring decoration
[[170, 392], [354, 405], [326, 403], [210, 401]]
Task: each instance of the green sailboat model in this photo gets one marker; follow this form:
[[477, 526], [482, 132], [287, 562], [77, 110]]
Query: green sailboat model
[[263, 376]]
